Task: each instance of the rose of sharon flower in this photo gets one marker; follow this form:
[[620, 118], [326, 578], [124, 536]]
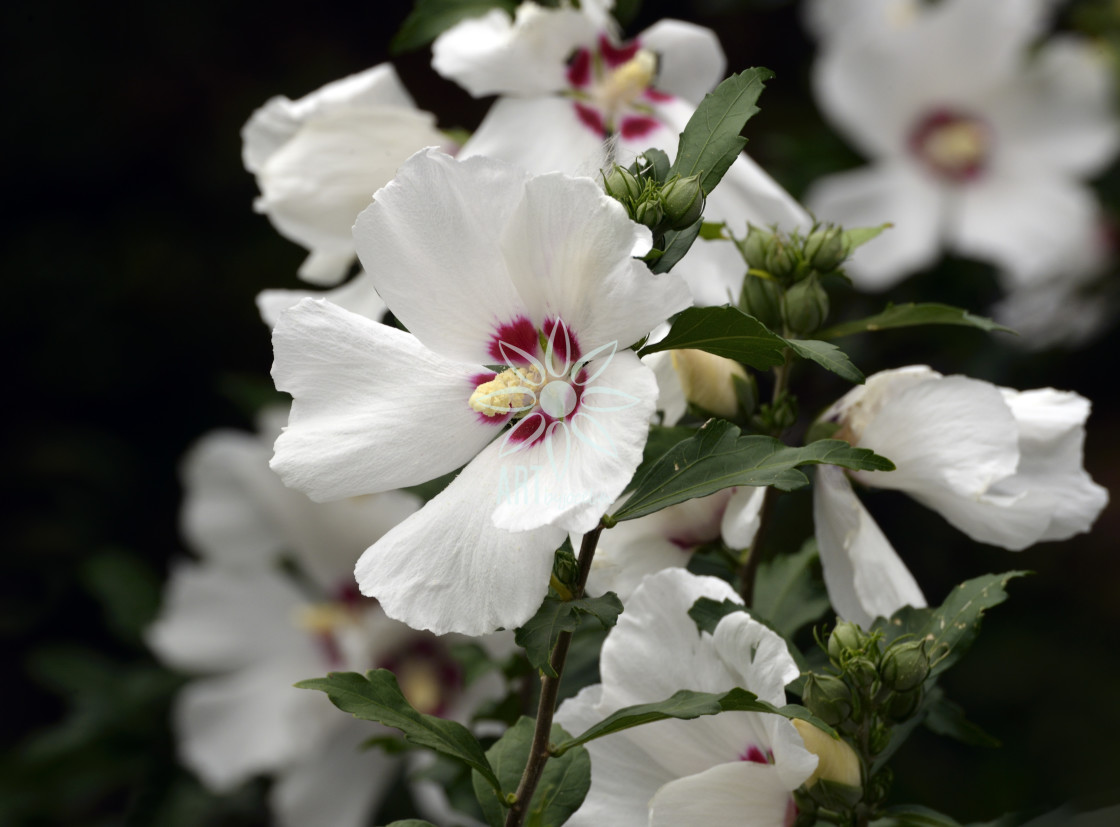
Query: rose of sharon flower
[[521, 297], [567, 83], [318, 159], [733, 769], [977, 145], [253, 630], [1003, 466]]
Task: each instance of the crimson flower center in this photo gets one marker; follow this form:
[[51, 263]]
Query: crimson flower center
[[955, 146]]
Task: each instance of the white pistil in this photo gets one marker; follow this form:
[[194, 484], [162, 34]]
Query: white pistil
[[324, 618], [621, 87]]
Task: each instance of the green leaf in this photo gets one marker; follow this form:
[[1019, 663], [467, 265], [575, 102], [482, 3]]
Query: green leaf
[[858, 236], [711, 142], [707, 613], [786, 591], [376, 696], [676, 244], [685, 705], [947, 718], [718, 457], [539, 634], [724, 331], [431, 18], [560, 791], [911, 315], [712, 231], [950, 629], [828, 356]]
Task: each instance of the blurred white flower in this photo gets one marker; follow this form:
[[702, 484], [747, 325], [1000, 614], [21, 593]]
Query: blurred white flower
[[978, 145], [736, 768], [571, 93], [483, 264], [318, 160], [1003, 466]]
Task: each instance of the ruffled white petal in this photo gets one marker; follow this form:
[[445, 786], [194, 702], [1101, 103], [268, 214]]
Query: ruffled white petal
[[690, 59], [568, 247], [726, 795], [895, 192], [573, 475], [429, 241], [338, 785], [743, 516], [527, 55], [1027, 221], [561, 143], [447, 568], [756, 657], [253, 721], [213, 619], [369, 401], [357, 295], [864, 576]]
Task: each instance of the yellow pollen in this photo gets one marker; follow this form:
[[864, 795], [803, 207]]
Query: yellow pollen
[[323, 618], [626, 83], [957, 145], [420, 684], [511, 391]]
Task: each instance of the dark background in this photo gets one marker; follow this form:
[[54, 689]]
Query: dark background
[[130, 264]]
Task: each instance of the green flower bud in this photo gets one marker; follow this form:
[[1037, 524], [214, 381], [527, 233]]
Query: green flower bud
[[828, 698], [762, 298], [905, 666], [649, 213], [880, 739], [622, 185], [901, 706], [683, 201], [824, 249], [846, 640], [805, 306], [779, 261], [754, 247], [862, 672]]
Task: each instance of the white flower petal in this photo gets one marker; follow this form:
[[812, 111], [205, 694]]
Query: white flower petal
[[338, 785], [368, 401], [865, 577], [213, 619], [742, 518], [253, 721], [561, 143], [357, 295], [527, 55], [573, 475], [670, 393], [894, 192], [727, 795], [447, 568], [1029, 223], [569, 247], [757, 658], [690, 59], [429, 240]]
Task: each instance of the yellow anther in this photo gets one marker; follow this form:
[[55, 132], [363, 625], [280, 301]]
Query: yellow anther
[[511, 391], [420, 684], [957, 145], [323, 618], [629, 81]]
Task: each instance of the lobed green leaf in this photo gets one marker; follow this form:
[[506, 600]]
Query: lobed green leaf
[[376, 696], [911, 315], [539, 634], [725, 331], [828, 356], [787, 593]]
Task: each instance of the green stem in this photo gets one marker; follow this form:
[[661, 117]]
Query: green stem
[[550, 688]]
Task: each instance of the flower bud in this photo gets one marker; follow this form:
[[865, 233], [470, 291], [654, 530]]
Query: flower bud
[[902, 705], [683, 201], [753, 248], [649, 213], [824, 249], [762, 298], [862, 672], [846, 640], [779, 261], [905, 666], [836, 760], [707, 380], [622, 185], [828, 698], [805, 306]]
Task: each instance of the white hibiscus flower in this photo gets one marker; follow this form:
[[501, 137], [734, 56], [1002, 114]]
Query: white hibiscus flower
[[736, 768], [977, 145], [1003, 466], [484, 265], [569, 88]]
